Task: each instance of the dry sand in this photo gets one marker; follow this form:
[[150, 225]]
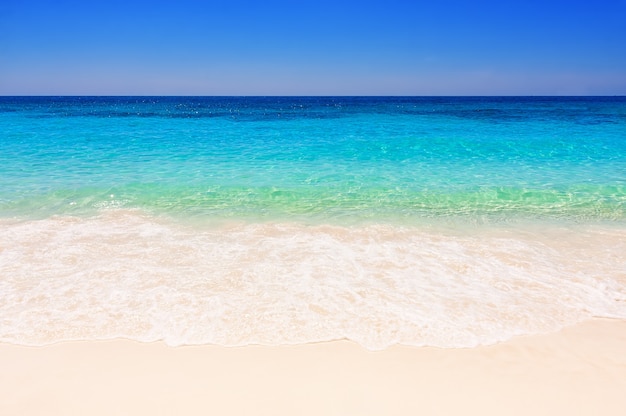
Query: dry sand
[[578, 371]]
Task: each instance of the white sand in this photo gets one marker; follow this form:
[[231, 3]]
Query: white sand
[[579, 371]]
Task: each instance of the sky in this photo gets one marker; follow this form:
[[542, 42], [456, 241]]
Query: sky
[[313, 47]]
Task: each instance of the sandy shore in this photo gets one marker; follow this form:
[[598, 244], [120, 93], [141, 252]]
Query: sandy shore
[[578, 371]]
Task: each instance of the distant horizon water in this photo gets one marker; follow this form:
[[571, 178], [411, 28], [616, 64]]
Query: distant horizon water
[[299, 96], [233, 220]]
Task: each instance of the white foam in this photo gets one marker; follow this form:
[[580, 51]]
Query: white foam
[[124, 274]]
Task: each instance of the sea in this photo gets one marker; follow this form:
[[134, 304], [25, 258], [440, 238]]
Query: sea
[[450, 222]]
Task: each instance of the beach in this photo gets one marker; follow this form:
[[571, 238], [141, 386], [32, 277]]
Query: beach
[[580, 370], [312, 208], [312, 255]]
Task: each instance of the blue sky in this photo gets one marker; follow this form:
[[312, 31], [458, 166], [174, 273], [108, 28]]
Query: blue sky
[[340, 47]]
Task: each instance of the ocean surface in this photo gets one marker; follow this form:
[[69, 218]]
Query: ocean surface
[[448, 222]]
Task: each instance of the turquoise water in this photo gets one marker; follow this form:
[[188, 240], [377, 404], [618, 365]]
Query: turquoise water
[[316, 159], [451, 222]]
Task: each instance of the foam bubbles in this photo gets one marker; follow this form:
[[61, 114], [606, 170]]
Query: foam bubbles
[[124, 274]]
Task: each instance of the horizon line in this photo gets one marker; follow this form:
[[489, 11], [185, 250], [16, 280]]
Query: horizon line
[[316, 95]]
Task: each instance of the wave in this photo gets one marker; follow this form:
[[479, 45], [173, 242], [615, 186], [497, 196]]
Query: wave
[[127, 274]]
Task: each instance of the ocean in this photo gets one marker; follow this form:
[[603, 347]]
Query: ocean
[[425, 221]]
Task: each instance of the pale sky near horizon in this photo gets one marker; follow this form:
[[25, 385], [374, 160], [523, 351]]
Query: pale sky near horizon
[[322, 47]]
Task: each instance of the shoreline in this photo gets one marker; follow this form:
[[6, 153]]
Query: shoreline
[[124, 275], [578, 370]]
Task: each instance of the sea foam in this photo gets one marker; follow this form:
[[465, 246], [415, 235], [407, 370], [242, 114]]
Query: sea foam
[[126, 274]]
